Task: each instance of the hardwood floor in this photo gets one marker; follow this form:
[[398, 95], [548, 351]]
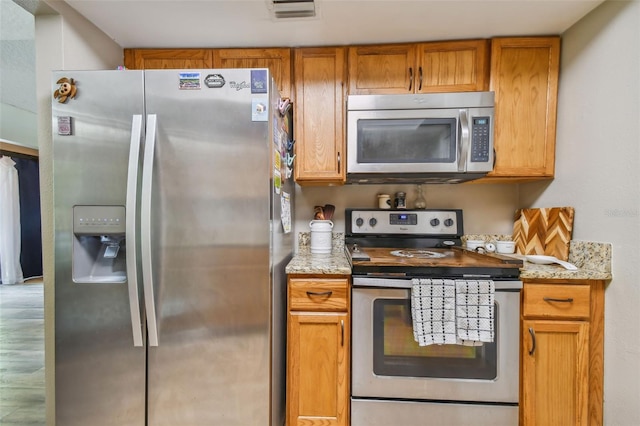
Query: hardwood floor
[[22, 354]]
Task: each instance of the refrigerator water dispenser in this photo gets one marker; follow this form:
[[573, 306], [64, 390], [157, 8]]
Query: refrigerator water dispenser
[[99, 245]]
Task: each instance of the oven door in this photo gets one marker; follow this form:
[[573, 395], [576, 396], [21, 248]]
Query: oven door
[[388, 363]]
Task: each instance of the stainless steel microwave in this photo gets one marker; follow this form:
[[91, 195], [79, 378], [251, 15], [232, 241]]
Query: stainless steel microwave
[[423, 138]]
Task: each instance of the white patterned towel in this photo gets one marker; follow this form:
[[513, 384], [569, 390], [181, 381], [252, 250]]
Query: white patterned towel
[[474, 310], [433, 311]]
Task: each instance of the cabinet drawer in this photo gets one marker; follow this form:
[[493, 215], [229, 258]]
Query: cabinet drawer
[[556, 301], [315, 294]]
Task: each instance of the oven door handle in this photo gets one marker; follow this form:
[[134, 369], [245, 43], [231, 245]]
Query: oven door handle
[[406, 283]]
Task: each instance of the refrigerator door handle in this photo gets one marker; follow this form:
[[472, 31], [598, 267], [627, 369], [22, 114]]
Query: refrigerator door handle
[[145, 229], [130, 228]]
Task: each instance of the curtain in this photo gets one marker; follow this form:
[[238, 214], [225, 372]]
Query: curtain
[[30, 223], [10, 237]]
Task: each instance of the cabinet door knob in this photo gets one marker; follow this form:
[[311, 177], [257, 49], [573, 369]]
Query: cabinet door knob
[[533, 340], [420, 75], [551, 299], [342, 331], [316, 293], [410, 78]]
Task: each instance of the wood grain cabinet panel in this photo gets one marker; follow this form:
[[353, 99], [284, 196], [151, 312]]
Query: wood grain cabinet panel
[[562, 352], [524, 77], [278, 60], [555, 389], [318, 352], [319, 109], [452, 66], [141, 59]]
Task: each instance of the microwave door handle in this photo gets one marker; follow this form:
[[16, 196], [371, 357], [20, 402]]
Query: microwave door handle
[[463, 147]]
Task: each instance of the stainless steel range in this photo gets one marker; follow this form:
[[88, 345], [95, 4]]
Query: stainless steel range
[[398, 377]]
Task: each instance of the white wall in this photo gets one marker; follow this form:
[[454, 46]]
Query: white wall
[[598, 153], [64, 40]]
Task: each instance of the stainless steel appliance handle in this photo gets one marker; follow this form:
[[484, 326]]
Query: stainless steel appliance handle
[[463, 147], [407, 284], [131, 226], [145, 229]]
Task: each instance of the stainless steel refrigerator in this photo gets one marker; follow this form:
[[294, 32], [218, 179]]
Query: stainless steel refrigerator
[[173, 199]]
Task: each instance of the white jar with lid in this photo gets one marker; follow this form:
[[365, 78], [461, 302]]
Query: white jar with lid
[[321, 236]]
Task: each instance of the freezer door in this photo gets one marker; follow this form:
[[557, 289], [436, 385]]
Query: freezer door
[[209, 219], [99, 373]]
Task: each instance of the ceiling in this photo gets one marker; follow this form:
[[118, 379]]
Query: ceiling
[[250, 23]]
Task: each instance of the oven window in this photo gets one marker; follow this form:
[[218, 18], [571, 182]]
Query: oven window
[[407, 140], [396, 353]]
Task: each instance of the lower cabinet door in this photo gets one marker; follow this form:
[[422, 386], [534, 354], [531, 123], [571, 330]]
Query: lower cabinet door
[[555, 378], [317, 369]]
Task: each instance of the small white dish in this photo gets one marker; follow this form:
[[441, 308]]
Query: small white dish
[[547, 260]]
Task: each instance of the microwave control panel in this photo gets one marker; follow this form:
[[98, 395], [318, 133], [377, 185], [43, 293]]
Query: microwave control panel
[[480, 132]]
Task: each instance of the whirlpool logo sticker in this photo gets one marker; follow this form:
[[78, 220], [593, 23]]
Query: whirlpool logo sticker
[[239, 86]]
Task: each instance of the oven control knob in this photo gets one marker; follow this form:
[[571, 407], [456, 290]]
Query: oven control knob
[[373, 221], [434, 222], [448, 222], [359, 222]]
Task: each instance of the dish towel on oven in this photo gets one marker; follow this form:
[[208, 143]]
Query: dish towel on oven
[[433, 304], [474, 310], [446, 311]]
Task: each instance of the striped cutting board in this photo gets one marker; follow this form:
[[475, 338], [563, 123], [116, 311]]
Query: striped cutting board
[[544, 231]]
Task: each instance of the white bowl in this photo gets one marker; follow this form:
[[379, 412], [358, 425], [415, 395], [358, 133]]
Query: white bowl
[[506, 247], [474, 244]]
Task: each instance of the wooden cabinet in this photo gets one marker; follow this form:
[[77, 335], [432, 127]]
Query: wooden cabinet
[[319, 108], [561, 353], [453, 66], [318, 351], [141, 59], [524, 76], [278, 60]]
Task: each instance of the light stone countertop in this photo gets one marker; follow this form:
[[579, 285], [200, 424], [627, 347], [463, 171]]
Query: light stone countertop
[[593, 260], [305, 262]]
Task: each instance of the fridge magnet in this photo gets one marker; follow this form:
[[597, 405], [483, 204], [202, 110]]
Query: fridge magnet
[[259, 81], [277, 181], [285, 211], [67, 90], [64, 126], [214, 81], [259, 109], [277, 159], [189, 81]]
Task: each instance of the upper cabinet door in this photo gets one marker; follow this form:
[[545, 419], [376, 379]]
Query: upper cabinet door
[[453, 66], [319, 110], [141, 59], [277, 60], [384, 69], [524, 76]]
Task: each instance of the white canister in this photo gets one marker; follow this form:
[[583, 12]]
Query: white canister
[[321, 236]]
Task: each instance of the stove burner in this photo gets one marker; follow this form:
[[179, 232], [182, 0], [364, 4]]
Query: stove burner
[[421, 254]]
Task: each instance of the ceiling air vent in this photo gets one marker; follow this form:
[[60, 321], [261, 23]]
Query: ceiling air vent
[[283, 9]]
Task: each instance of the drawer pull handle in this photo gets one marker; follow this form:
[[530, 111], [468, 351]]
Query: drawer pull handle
[[342, 330], [533, 340], [316, 293], [551, 299]]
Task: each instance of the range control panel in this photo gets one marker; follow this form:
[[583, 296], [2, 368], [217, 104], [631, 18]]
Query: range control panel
[[405, 222]]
